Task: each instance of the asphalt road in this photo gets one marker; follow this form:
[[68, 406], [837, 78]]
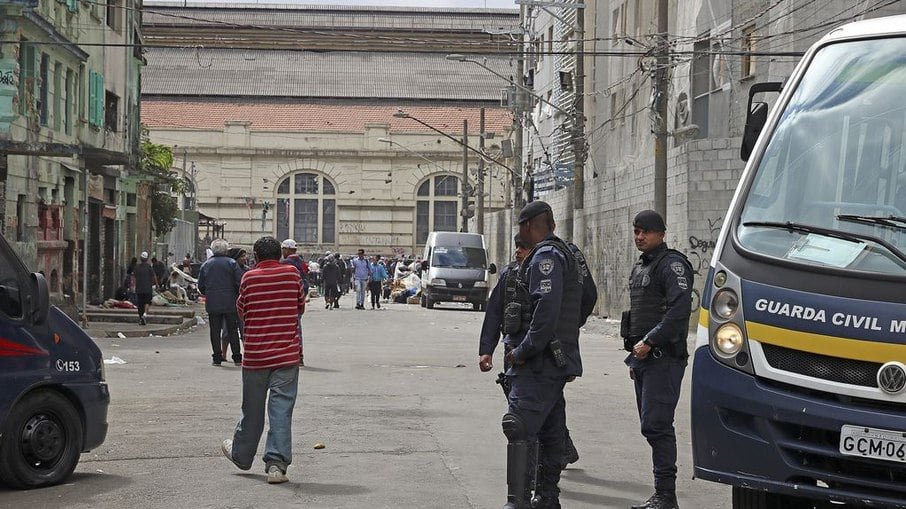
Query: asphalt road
[[397, 398]]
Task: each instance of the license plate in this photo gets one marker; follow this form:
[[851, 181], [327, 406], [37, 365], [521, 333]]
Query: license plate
[[873, 443], [459, 298]]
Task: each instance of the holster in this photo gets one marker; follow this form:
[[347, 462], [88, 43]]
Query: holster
[[625, 324]]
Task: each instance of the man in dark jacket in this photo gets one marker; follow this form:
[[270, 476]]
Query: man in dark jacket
[[218, 281], [330, 278], [145, 281], [160, 272]]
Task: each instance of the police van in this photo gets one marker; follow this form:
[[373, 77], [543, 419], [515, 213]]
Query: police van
[[799, 382], [53, 399]]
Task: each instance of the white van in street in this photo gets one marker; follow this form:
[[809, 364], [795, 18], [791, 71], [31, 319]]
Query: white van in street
[[455, 269]]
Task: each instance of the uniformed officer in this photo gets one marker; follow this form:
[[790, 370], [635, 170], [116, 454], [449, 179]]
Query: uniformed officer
[[542, 355], [492, 327], [655, 332]]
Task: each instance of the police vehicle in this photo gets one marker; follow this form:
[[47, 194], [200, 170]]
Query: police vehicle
[[799, 382], [53, 399]]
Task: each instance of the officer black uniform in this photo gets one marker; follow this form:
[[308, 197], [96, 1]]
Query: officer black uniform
[[655, 331], [543, 355]]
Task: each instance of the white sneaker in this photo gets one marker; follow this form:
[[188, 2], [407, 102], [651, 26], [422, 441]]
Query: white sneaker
[[275, 475]]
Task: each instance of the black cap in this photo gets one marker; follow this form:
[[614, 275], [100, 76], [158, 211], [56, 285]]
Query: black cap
[[533, 209], [649, 220], [517, 240]]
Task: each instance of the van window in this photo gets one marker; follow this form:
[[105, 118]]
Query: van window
[[459, 257], [10, 285], [837, 152]]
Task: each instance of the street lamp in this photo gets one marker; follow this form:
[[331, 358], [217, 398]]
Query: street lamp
[[484, 155], [456, 57]]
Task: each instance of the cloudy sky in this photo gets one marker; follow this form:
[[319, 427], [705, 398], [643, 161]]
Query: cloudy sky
[[413, 3]]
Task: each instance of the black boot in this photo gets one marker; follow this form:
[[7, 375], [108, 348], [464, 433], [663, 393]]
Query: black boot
[[660, 500], [570, 455]]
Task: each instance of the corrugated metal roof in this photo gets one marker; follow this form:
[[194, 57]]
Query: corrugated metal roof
[[332, 17], [345, 75]]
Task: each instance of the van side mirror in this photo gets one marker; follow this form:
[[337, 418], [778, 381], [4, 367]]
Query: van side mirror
[[756, 117], [40, 302], [425, 265], [492, 269]]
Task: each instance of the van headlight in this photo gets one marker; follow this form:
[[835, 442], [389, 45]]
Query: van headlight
[[725, 303], [728, 340], [481, 284], [438, 282]]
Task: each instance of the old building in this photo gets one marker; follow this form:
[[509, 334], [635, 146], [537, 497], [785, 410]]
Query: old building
[[335, 126], [717, 51], [69, 129]]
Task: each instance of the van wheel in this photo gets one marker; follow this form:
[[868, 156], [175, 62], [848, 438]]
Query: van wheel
[[429, 303], [41, 442], [745, 498], [421, 300]]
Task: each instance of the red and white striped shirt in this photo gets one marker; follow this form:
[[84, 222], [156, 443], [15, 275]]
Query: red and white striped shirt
[[270, 302]]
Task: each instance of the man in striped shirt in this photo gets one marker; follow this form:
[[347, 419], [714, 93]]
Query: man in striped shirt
[[270, 302]]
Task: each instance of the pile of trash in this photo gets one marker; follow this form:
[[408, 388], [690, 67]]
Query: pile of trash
[[402, 289]]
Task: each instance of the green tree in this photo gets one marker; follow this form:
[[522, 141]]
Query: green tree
[[156, 161]]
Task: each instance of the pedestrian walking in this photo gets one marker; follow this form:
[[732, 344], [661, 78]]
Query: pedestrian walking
[[344, 276], [288, 249], [145, 282], [330, 278], [218, 281], [361, 273], [655, 330], [378, 274], [553, 298], [270, 299]]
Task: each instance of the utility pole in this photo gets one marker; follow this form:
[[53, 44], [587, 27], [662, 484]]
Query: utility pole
[[579, 120], [465, 175], [518, 123], [660, 113], [481, 134], [185, 176]]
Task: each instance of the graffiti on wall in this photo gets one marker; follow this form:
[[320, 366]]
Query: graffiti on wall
[[699, 251]]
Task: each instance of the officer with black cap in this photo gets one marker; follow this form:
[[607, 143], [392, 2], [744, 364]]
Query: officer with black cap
[[502, 297], [542, 356], [655, 330]]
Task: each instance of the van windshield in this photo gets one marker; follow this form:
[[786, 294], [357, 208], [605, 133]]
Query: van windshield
[[459, 257], [830, 189]]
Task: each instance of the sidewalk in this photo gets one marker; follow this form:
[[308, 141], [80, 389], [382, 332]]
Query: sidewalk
[[162, 321]]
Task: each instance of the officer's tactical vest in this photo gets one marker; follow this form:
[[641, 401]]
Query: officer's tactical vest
[[567, 330], [647, 303]]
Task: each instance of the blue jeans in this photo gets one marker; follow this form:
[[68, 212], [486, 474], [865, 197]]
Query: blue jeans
[[360, 285], [277, 388]]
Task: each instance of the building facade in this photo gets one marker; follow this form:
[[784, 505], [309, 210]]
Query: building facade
[[69, 130], [338, 127], [718, 50]]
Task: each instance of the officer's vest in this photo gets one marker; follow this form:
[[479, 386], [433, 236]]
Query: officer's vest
[[647, 303], [567, 330]]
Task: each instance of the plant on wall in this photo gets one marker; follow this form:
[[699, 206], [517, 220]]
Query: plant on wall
[[156, 161]]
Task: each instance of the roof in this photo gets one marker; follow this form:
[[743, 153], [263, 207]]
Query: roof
[[888, 25], [264, 115], [328, 17], [306, 74]]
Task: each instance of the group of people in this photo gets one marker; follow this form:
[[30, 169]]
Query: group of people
[[539, 304]]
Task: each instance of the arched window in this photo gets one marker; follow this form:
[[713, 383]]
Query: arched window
[[307, 209], [436, 206]]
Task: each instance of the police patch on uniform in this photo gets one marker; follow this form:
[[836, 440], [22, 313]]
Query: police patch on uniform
[[545, 286], [546, 266], [678, 268], [682, 283]]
